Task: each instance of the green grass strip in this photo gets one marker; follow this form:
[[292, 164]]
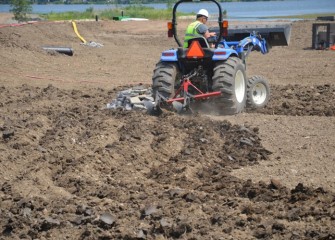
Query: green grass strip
[[137, 11]]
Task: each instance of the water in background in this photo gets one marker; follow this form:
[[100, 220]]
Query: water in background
[[236, 10], [264, 9]]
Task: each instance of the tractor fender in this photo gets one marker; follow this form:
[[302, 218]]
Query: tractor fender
[[223, 54], [169, 56]]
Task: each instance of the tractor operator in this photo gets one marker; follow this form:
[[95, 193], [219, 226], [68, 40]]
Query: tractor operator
[[198, 28]]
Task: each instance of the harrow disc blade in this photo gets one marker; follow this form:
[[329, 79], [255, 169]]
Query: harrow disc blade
[[178, 106], [152, 109]]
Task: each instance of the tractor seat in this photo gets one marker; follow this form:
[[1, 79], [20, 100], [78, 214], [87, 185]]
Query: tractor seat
[[202, 41]]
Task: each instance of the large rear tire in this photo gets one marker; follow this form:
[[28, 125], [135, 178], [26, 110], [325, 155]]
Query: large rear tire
[[164, 79], [229, 77], [258, 92]]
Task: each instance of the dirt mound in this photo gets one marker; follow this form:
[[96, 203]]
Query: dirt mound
[[298, 100], [90, 173], [73, 169]]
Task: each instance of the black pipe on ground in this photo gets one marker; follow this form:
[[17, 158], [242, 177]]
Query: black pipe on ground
[[64, 50]]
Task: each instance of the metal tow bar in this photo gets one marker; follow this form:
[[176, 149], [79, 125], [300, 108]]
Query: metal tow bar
[[182, 98]]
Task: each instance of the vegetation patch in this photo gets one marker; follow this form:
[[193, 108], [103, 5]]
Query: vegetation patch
[[134, 11]]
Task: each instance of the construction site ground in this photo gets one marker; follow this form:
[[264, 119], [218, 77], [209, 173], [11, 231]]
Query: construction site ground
[[72, 169]]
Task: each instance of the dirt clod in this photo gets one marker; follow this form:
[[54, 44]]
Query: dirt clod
[[72, 169]]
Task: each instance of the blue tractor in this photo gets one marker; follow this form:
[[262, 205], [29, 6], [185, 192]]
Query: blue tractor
[[217, 75]]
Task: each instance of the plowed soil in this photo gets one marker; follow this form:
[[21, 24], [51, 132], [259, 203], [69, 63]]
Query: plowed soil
[[72, 169]]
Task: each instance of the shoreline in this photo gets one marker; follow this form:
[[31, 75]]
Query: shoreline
[[7, 18]]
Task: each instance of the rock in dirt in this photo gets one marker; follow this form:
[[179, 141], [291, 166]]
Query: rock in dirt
[[8, 134]]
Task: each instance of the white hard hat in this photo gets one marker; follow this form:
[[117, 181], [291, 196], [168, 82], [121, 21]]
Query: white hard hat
[[203, 12]]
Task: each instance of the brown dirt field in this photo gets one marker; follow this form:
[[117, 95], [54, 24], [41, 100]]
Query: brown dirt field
[[5, 18], [72, 169]]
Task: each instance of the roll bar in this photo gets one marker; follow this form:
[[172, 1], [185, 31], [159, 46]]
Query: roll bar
[[174, 20]]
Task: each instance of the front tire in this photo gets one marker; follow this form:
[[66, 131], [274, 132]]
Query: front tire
[[258, 92], [229, 77]]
